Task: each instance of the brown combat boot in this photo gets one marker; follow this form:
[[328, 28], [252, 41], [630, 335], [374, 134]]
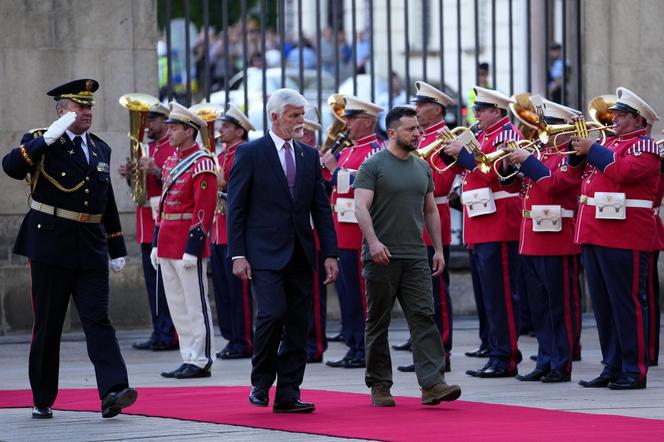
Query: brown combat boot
[[381, 396], [440, 393]]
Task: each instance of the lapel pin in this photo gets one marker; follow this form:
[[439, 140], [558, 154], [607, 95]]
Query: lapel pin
[[71, 152]]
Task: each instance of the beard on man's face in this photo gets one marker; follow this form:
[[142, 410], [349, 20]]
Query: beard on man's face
[[405, 145]]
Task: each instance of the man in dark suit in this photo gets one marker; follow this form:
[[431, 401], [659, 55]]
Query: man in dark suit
[[68, 235], [275, 191]]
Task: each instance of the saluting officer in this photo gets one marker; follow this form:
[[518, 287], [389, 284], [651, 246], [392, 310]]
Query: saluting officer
[[181, 240], [163, 335], [68, 235], [232, 295], [431, 104], [550, 259], [492, 215], [616, 209], [361, 118]]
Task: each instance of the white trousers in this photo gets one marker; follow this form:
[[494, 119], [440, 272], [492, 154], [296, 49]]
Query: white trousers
[[186, 294]]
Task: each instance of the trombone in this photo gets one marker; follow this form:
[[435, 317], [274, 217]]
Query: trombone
[[433, 149]]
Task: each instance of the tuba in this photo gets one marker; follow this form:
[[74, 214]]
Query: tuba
[[598, 109], [208, 113], [526, 114], [337, 135], [138, 106]]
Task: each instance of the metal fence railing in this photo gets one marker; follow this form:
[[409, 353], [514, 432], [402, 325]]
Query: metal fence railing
[[240, 51]]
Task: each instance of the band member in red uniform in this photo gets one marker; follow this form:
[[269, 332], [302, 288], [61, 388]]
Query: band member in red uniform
[[430, 104], [317, 342], [361, 118], [163, 335], [618, 195], [654, 309], [232, 295], [491, 224], [550, 259], [181, 242]]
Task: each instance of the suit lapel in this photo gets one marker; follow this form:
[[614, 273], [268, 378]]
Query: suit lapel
[[94, 154], [272, 157], [299, 166]]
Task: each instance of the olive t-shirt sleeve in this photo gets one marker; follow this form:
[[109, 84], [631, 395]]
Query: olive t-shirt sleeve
[[366, 176]]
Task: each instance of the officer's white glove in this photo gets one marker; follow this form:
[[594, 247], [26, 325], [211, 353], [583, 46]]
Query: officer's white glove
[[154, 259], [189, 261], [117, 264], [58, 127]]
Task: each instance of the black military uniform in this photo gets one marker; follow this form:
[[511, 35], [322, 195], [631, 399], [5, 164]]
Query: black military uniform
[[72, 228]]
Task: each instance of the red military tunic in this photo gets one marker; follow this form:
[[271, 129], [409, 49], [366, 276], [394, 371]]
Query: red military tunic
[[629, 164], [504, 223], [160, 150], [550, 182], [349, 234], [659, 244], [219, 229], [442, 185], [192, 197]]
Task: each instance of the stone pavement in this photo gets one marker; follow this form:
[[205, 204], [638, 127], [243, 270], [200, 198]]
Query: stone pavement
[[144, 368]]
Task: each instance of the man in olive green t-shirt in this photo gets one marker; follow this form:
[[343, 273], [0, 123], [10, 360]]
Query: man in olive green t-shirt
[[393, 201]]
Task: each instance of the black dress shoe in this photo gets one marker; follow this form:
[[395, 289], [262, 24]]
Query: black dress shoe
[[473, 373], [114, 402], [407, 368], [164, 346], [479, 353], [171, 374], [234, 355], [356, 363], [493, 372], [555, 376], [296, 406], [650, 364], [535, 375], [142, 345], [191, 371], [599, 382], [340, 363], [42, 413], [337, 338], [627, 383], [407, 346], [259, 396], [313, 359]]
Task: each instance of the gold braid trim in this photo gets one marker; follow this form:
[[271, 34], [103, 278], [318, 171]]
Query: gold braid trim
[[60, 187], [25, 155], [114, 235]]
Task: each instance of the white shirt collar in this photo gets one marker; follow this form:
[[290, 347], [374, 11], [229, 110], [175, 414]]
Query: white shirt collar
[[278, 141], [84, 137]]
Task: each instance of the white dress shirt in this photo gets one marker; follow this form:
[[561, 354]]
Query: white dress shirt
[[84, 142], [281, 152]]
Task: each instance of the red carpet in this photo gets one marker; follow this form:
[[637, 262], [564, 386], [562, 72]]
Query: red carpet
[[351, 415]]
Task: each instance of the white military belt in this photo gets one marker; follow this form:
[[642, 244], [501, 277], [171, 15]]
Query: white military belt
[[564, 213], [502, 194], [176, 216], [66, 214], [642, 204], [441, 200]]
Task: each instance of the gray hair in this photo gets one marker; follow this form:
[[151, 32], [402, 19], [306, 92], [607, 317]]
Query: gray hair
[[282, 98], [62, 103]]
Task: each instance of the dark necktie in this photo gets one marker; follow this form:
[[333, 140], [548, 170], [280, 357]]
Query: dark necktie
[[78, 141], [290, 168]]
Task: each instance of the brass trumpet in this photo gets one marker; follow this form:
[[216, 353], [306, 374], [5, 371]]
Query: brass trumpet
[[579, 128], [492, 160], [433, 149], [337, 106]]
